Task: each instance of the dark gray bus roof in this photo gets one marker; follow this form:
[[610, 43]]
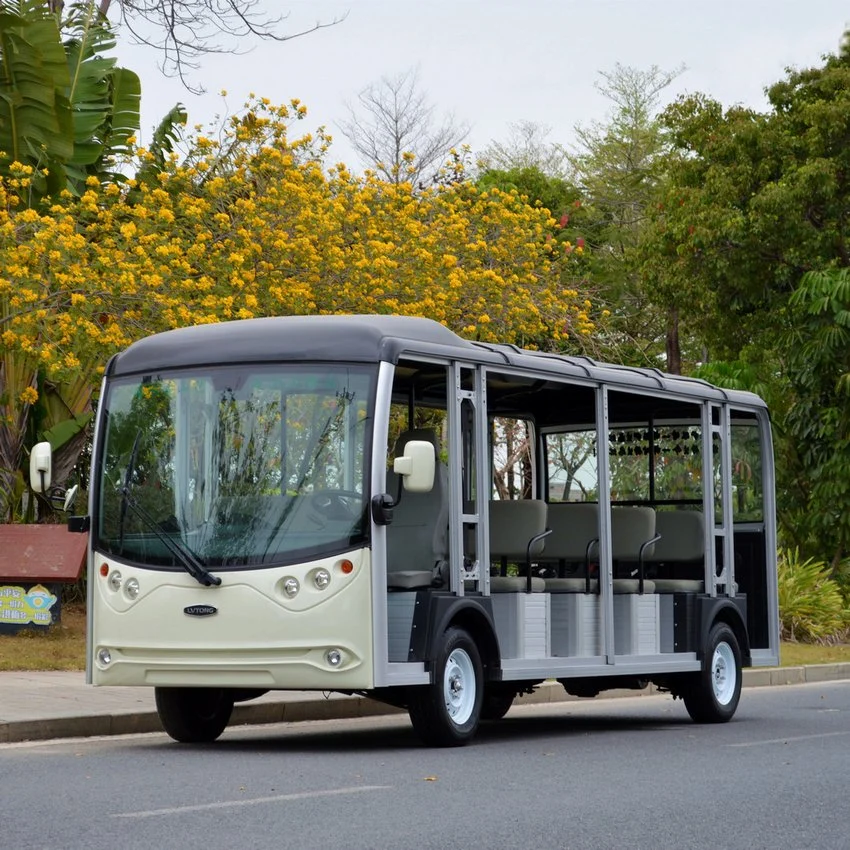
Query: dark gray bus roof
[[369, 339]]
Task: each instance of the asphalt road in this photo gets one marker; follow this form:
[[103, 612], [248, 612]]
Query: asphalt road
[[625, 773]]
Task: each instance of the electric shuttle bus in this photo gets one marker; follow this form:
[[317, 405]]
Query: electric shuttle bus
[[373, 505]]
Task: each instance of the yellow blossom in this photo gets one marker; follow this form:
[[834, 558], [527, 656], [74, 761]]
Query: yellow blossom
[[29, 395]]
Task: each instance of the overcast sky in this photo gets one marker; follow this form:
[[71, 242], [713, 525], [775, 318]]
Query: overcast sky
[[493, 62]]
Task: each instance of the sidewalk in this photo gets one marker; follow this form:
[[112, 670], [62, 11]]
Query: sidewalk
[[41, 706]]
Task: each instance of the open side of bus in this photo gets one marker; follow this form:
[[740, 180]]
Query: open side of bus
[[373, 505], [625, 538]]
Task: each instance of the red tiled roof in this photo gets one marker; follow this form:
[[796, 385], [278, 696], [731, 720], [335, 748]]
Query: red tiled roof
[[33, 553]]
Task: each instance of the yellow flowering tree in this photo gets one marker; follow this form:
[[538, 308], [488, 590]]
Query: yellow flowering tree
[[251, 225]]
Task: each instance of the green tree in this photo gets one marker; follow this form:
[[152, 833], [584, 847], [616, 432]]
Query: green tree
[[553, 193], [818, 422], [620, 167], [755, 202]]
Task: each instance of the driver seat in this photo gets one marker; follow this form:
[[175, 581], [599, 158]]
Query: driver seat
[[418, 536]]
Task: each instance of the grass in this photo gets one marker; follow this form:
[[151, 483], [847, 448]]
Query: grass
[[64, 647], [797, 654]]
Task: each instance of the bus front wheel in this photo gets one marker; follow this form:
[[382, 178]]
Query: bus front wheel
[[193, 715], [712, 695], [446, 713]]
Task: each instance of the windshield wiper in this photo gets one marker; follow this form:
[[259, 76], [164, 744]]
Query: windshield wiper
[[187, 559]]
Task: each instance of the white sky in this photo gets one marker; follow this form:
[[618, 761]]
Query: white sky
[[493, 62]]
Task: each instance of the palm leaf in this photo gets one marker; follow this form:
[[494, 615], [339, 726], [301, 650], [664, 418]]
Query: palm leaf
[[35, 122], [165, 137], [105, 100]]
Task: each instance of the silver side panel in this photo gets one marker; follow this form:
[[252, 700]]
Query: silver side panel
[[606, 573], [518, 669], [769, 487], [90, 563], [380, 435]]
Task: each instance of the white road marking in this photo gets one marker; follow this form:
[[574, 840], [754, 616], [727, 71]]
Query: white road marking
[[789, 740], [254, 801]]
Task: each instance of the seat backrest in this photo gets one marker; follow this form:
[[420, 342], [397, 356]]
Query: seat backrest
[[631, 527], [513, 522], [574, 525], [418, 536], [682, 536]]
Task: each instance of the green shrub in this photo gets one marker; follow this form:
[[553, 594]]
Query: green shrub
[[811, 605]]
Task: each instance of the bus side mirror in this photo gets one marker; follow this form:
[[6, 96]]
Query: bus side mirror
[[40, 466], [70, 498], [417, 466]]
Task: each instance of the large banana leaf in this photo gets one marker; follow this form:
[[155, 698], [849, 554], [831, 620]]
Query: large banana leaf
[[105, 100], [165, 137], [35, 120], [64, 106]]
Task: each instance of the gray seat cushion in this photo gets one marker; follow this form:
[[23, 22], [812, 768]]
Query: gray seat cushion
[[678, 585], [570, 585], [409, 579], [631, 585], [515, 584]]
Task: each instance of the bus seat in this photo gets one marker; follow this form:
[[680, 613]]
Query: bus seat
[[517, 533], [574, 539], [633, 538], [682, 545], [418, 536]]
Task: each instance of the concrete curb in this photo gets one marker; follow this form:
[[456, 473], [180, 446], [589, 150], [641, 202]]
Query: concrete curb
[[345, 707]]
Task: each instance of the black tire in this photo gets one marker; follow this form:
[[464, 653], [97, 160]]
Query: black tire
[[712, 695], [445, 713], [496, 703], [194, 715]]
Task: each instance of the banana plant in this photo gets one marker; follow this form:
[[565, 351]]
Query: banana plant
[[104, 99], [66, 109], [165, 138], [35, 115]]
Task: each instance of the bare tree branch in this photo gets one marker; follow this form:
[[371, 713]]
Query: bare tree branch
[[393, 129], [186, 30], [527, 146]]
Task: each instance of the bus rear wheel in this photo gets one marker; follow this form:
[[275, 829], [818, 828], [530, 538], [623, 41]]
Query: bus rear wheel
[[194, 715], [447, 712], [712, 695]]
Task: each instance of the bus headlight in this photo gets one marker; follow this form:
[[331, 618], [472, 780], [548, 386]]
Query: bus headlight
[[321, 578], [291, 587], [104, 657], [333, 657], [114, 580], [131, 588]]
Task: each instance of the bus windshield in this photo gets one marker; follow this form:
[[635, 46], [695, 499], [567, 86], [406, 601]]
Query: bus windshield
[[238, 466]]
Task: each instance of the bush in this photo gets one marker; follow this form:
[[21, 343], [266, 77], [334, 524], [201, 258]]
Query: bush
[[811, 605]]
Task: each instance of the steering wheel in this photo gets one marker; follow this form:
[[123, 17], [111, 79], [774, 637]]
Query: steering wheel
[[336, 504]]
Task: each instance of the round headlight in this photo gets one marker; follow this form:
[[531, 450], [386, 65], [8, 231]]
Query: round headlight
[[322, 578], [104, 657], [115, 580], [333, 657], [291, 587], [131, 588]]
